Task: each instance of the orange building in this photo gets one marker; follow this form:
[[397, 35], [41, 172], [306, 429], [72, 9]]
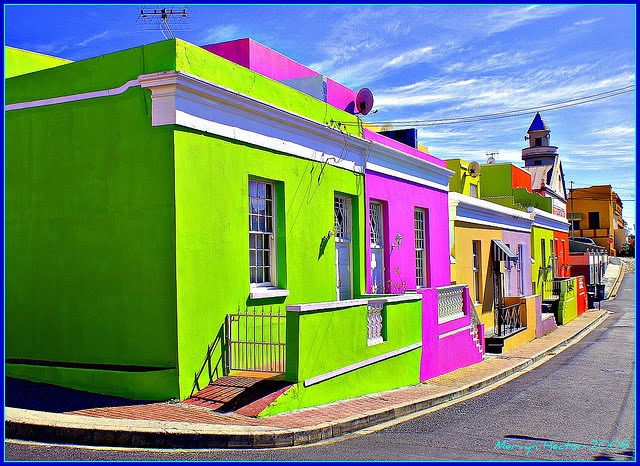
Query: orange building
[[596, 213]]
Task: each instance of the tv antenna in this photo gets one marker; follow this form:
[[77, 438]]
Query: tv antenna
[[163, 18], [490, 156]]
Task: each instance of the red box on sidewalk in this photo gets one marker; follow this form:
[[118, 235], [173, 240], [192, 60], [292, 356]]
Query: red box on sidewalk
[[581, 295]]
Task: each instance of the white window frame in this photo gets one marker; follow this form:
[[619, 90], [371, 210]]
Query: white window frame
[[507, 274], [520, 268], [272, 283], [420, 244]]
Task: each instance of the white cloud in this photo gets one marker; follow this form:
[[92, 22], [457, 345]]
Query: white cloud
[[222, 33], [615, 131], [505, 19], [579, 25], [86, 42]]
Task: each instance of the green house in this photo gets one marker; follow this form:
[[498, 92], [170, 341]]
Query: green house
[[155, 193]]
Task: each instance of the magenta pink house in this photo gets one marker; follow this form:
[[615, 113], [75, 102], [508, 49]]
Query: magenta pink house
[[407, 219], [408, 251]]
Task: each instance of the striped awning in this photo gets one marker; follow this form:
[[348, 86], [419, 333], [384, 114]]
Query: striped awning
[[501, 252]]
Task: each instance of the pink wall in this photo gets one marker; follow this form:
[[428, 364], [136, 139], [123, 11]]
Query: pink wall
[[261, 59], [236, 51], [442, 355], [274, 65], [340, 96], [399, 199], [543, 326], [373, 136]]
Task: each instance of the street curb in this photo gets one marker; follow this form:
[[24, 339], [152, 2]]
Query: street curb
[[617, 283], [165, 436]]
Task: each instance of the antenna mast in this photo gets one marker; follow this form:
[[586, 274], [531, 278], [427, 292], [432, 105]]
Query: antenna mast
[[160, 18], [490, 156]]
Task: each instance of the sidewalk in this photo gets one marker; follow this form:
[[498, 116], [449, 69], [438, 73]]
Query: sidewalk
[[182, 425], [612, 277]]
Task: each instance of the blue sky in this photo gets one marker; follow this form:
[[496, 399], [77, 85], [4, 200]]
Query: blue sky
[[422, 62]]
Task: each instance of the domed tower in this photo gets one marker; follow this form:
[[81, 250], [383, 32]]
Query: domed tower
[[542, 161], [539, 152]]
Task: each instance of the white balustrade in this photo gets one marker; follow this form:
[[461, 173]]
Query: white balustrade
[[450, 303], [374, 322]]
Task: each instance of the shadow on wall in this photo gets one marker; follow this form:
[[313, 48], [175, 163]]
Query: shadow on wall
[[214, 370], [37, 396]]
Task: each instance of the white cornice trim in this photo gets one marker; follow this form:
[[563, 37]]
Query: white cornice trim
[[389, 161], [182, 99], [546, 220], [473, 210]]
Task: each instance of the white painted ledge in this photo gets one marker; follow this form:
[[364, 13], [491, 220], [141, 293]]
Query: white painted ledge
[[264, 293], [358, 365], [328, 305]]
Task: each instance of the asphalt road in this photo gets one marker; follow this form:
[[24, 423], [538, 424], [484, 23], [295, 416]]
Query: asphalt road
[[579, 405]]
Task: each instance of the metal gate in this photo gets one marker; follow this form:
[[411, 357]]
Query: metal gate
[[256, 340]]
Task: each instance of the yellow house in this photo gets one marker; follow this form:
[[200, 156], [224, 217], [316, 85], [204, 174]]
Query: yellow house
[[596, 213], [490, 251]]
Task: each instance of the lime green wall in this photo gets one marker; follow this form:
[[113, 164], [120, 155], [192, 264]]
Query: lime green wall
[[460, 181], [537, 275], [497, 188], [19, 62], [568, 304], [157, 385], [93, 74], [525, 198], [328, 340], [90, 248], [496, 179], [212, 223]]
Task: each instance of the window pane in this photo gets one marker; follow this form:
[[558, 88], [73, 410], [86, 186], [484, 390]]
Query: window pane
[[268, 207], [267, 258]]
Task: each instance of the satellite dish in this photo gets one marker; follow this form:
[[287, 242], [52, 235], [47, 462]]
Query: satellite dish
[[364, 101], [474, 169]]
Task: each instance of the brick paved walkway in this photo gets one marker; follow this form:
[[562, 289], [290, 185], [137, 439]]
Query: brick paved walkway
[[204, 412]]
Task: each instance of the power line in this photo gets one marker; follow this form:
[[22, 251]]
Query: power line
[[510, 113]]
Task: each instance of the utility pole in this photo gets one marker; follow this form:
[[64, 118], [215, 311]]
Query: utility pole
[[571, 213]]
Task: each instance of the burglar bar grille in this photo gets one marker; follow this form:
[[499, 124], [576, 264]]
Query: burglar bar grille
[[256, 340]]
